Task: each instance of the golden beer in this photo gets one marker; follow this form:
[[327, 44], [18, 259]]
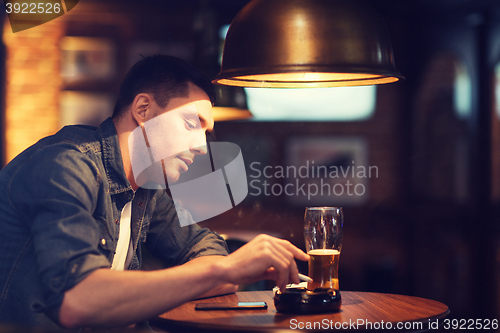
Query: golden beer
[[323, 269]]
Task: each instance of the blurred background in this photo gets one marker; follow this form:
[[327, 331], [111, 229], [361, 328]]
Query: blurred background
[[424, 219]]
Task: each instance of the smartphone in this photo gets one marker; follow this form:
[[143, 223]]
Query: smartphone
[[231, 306]]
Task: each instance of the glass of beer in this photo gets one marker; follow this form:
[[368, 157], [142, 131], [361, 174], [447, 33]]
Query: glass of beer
[[323, 231]]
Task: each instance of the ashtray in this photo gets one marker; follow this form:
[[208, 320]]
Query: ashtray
[[301, 300]]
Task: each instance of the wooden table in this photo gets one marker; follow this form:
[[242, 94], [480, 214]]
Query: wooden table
[[360, 311]]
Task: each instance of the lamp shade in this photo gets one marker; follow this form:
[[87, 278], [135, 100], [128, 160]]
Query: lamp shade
[[307, 43]]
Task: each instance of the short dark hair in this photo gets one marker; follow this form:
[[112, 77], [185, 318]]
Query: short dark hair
[[162, 76]]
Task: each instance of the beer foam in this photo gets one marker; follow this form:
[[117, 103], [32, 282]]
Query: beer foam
[[323, 252]]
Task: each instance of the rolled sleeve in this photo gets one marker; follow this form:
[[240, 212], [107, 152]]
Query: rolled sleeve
[[175, 244], [58, 200]]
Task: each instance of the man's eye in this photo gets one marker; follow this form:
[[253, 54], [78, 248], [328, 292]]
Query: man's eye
[[190, 125]]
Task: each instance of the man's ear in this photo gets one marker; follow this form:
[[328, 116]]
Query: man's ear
[[141, 108]]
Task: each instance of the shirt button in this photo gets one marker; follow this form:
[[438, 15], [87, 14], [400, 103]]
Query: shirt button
[[103, 241]]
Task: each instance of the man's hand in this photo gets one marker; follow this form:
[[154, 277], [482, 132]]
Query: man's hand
[[263, 258]]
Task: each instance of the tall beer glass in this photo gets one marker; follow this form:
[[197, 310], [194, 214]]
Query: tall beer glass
[[323, 231]]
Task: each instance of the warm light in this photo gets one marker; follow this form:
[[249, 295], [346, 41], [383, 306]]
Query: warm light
[[220, 113], [32, 86], [306, 80]]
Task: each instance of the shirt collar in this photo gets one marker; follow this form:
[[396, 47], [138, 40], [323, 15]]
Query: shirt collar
[[112, 158]]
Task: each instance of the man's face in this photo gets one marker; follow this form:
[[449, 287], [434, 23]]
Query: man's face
[[175, 135], [190, 118]]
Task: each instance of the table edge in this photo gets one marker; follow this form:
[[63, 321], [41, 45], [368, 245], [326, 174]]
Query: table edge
[[186, 326]]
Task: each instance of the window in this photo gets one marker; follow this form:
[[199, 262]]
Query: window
[[312, 104]]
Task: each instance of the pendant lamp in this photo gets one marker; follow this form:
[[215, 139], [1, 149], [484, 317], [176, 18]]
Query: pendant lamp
[[307, 43]]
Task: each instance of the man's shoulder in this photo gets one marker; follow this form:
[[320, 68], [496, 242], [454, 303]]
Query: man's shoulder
[[80, 137], [70, 140]]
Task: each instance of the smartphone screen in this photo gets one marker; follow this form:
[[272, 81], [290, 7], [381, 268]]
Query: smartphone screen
[[231, 306]]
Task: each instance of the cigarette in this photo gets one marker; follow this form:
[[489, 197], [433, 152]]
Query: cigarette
[[305, 278]]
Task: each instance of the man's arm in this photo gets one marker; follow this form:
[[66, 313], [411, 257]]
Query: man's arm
[[111, 298], [222, 289]]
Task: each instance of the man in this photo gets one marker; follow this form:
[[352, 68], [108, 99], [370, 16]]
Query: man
[[63, 203]]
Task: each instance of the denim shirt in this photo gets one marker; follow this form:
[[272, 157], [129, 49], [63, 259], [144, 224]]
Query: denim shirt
[[60, 208]]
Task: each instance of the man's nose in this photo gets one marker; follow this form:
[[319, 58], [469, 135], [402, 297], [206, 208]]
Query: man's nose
[[198, 144]]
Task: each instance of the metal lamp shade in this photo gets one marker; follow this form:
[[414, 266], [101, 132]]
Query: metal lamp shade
[[307, 43]]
